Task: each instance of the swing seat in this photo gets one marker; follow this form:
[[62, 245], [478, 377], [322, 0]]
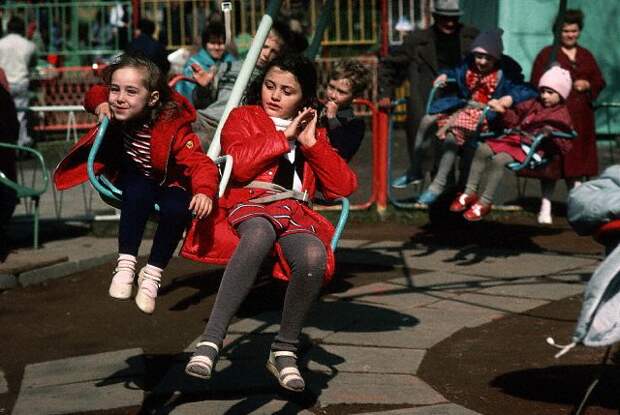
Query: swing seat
[[29, 191], [112, 195], [533, 160]]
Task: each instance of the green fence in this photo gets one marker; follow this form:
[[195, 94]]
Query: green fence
[[76, 32]]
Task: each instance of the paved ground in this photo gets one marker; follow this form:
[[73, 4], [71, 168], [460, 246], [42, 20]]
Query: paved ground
[[401, 294], [393, 301]]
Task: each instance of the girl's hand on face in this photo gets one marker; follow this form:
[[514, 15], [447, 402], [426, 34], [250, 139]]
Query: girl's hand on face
[[201, 76], [307, 137], [103, 110], [201, 205], [297, 124]]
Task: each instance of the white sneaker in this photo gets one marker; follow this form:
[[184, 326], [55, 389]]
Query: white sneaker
[[121, 285], [544, 218], [147, 292]]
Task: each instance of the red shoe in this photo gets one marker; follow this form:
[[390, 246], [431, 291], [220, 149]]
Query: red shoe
[[477, 211], [463, 201]]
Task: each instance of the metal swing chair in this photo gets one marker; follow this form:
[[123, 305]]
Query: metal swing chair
[[480, 135], [112, 195], [532, 160]]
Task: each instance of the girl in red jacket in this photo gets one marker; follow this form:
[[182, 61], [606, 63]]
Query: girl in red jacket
[[151, 153], [280, 158], [544, 114]]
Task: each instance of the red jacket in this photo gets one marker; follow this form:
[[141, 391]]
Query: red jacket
[[532, 117], [250, 136], [582, 160], [176, 154]]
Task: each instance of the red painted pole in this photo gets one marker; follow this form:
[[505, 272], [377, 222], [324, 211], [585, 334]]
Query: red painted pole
[[383, 51], [135, 13], [380, 172]]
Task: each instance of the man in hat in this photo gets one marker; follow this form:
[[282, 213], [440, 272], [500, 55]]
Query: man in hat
[[420, 58]]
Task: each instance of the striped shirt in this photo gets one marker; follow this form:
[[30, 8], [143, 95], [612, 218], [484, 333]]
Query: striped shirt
[[137, 144]]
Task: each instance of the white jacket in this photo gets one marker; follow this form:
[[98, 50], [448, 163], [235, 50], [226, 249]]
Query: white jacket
[[15, 54]]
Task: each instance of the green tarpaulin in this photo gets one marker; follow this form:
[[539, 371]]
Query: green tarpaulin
[[527, 29]]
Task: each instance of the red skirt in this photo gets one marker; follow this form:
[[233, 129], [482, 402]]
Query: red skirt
[[287, 216], [509, 144]]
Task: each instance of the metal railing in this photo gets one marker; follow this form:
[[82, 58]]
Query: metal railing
[[74, 30], [180, 23]]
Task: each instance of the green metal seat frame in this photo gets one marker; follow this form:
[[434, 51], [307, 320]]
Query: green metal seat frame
[[29, 192]]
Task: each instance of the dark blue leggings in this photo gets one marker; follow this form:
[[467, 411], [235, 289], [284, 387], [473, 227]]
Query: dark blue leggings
[[139, 195]]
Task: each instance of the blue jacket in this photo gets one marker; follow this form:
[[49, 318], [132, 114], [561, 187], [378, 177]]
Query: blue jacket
[[204, 59], [511, 82]]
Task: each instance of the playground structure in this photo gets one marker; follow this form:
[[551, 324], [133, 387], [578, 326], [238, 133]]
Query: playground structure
[[57, 105]]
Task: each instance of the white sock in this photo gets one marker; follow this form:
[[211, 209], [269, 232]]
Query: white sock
[[125, 268], [151, 279], [545, 206]]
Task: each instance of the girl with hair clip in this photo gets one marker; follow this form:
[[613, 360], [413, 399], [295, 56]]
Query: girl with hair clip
[[281, 158], [152, 154]]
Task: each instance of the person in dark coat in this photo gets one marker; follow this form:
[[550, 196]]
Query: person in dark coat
[[420, 59], [9, 125], [145, 43], [588, 82]]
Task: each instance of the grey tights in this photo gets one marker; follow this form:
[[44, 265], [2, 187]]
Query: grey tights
[[496, 172], [307, 258], [450, 149]]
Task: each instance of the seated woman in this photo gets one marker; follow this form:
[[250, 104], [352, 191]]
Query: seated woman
[[280, 159], [485, 77], [545, 114]]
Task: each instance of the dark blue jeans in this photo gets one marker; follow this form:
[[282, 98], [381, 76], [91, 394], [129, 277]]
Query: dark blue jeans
[[139, 195]]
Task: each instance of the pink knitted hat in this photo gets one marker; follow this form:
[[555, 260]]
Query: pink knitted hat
[[489, 42], [557, 79]]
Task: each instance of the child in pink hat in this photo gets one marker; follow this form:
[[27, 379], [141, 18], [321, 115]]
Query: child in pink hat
[[545, 114]]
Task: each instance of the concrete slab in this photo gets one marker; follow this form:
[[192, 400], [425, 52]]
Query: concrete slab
[[83, 383], [440, 282], [352, 243], [229, 377], [369, 289], [487, 303], [265, 322], [389, 295], [371, 388], [539, 288], [331, 358], [385, 245], [371, 257], [478, 261], [443, 409], [325, 318], [419, 330], [329, 317], [253, 404], [7, 281]]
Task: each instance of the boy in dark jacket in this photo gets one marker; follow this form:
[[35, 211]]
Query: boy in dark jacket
[[347, 80]]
